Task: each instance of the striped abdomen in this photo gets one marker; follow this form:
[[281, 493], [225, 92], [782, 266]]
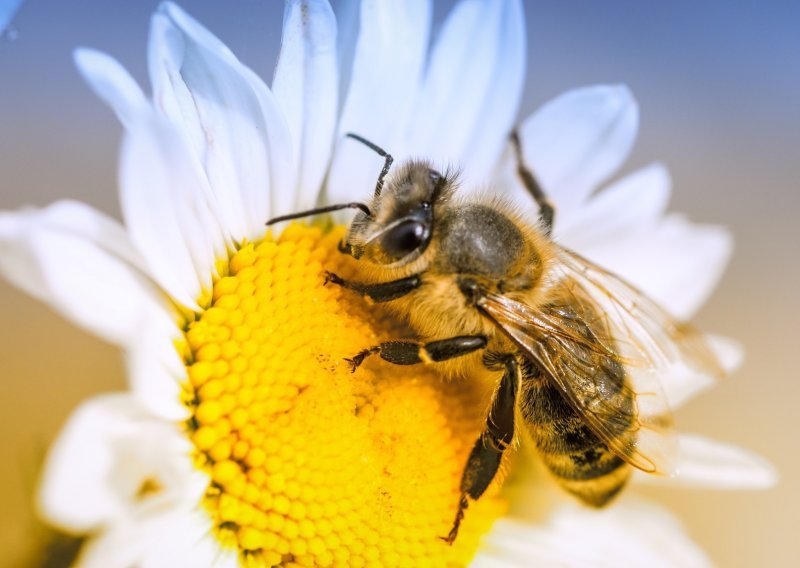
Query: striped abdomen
[[580, 461]]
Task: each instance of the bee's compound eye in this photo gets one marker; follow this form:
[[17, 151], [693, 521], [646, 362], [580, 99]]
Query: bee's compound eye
[[404, 239]]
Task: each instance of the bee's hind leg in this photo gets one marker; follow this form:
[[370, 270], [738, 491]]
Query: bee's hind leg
[[497, 434], [546, 209]]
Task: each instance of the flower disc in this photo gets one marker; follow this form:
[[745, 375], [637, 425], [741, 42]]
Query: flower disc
[[310, 463]]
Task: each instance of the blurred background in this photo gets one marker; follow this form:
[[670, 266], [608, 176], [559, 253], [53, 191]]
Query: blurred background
[[718, 83]]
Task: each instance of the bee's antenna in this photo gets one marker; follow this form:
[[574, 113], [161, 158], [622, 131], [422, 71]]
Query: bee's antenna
[[319, 210], [381, 152]]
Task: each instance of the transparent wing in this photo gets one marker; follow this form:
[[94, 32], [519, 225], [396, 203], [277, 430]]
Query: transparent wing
[[603, 343], [646, 332]]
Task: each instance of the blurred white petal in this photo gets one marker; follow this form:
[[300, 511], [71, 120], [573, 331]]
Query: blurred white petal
[[574, 142], [238, 135], [347, 20], [105, 456], [387, 69], [631, 533], [729, 352], [631, 205], [681, 382], [112, 83], [677, 263], [468, 102], [306, 89], [82, 264], [167, 218], [159, 539], [710, 464], [156, 370]]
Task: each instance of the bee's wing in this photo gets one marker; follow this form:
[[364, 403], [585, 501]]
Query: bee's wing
[[647, 334], [627, 330]]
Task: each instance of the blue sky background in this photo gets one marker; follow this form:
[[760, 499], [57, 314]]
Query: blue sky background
[[719, 87]]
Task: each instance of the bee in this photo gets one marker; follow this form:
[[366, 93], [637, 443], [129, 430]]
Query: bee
[[577, 349]]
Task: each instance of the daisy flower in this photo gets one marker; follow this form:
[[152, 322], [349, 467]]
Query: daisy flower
[[244, 439]]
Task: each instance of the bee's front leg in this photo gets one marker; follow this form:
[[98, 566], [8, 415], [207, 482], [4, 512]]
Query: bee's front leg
[[412, 353], [380, 292]]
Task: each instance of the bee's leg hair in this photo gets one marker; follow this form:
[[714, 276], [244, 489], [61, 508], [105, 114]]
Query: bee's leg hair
[[497, 435], [381, 292], [411, 353], [546, 209]]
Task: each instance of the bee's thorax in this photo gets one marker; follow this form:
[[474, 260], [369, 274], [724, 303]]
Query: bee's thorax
[[482, 244]]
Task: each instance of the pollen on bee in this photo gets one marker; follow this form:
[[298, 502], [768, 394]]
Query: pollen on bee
[[307, 462]]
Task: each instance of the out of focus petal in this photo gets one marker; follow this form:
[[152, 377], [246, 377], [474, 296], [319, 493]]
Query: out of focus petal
[[156, 372], [468, 102], [710, 464], [623, 209], [82, 264], [112, 83], [168, 218], [237, 133], [681, 382], [677, 263], [574, 142], [109, 455], [632, 533], [387, 69], [159, 539], [306, 88]]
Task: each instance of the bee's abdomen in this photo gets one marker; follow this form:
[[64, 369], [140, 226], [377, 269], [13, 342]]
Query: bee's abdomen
[[581, 462]]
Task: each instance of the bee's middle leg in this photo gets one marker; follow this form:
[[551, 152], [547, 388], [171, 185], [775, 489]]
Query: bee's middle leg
[[412, 352], [547, 210], [497, 435]]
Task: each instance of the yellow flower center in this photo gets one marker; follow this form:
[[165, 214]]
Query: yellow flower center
[[309, 463]]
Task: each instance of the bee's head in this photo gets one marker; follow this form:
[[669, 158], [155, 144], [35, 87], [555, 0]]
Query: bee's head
[[400, 224]]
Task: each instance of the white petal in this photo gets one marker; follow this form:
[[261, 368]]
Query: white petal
[[238, 135], [499, 112], [387, 71], [109, 448], [682, 383], [120, 546], [156, 371], [165, 539], [709, 464], [577, 140], [625, 208], [76, 493], [306, 88], [112, 83], [166, 212], [729, 352], [631, 533], [677, 263], [347, 16], [469, 100], [81, 263], [187, 540]]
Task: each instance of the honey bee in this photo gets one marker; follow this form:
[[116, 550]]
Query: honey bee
[[577, 348]]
